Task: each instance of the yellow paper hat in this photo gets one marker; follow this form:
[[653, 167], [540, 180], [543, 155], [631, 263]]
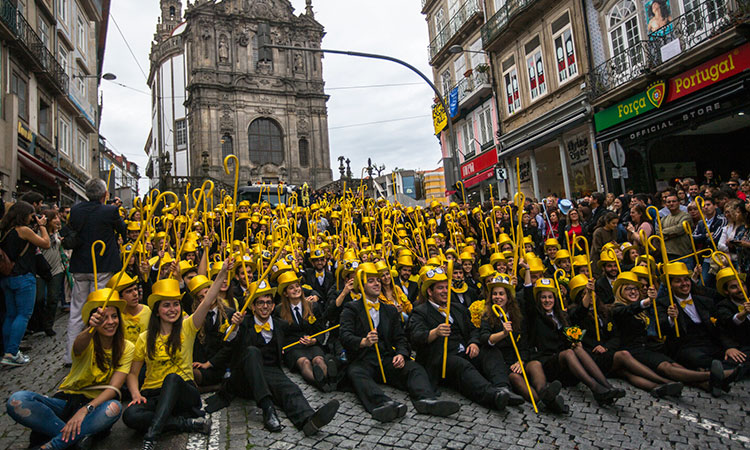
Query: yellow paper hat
[[125, 282], [97, 299], [723, 277], [197, 283], [286, 278], [261, 288], [485, 271], [577, 283], [186, 266], [625, 278], [165, 289], [431, 277], [544, 284], [551, 242]]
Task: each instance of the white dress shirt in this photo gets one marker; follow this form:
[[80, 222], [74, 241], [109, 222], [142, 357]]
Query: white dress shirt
[[267, 335]]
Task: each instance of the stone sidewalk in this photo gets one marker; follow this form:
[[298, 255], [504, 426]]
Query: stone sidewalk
[[638, 421]]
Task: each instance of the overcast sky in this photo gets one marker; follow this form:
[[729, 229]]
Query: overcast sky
[[392, 27]]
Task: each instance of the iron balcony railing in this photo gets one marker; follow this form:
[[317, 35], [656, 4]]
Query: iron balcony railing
[[497, 23], [469, 84], [27, 38], [465, 13], [683, 33]]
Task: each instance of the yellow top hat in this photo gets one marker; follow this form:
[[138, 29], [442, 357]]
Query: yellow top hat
[[97, 298], [675, 269], [189, 247], [466, 256], [508, 254], [244, 203], [606, 257], [435, 204], [348, 267], [197, 283], [625, 278], [165, 260], [186, 266], [279, 268], [165, 289], [640, 271], [501, 279], [580, 261], [486, 270], [434, 262], [404, 260], [431, 242], [576, 284], [452, 251], [544, 284], [431, 277], [349, 255], [535, 264], [562, 254], [496, 257], [134, 226], [260, 289], [625, 247], [723, 277], [287, 278], [382, 267], [215, 268], [317, 254], [369, 269], [528, 240], [504, 239], [551, 242], [125, 282], [642, 259]]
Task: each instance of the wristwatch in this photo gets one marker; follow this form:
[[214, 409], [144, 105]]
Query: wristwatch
[[89, 408]]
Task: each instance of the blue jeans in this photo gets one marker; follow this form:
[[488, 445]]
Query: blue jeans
[[20, 296], [42, 415]]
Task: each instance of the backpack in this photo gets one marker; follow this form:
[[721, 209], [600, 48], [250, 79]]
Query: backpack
[[6, 264]]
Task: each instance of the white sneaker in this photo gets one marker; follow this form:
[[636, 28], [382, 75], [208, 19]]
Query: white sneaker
[[24, 356], [18, 360]]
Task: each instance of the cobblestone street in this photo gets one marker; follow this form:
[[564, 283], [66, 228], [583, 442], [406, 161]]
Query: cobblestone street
[[637, 421]]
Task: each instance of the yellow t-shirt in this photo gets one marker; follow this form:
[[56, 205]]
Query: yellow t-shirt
[[160, 366], [84, 372], [137, 324]]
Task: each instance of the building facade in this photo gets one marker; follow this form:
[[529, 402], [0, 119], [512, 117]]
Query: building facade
[[52, 54], [433, 182], [217, 90], [122, 175]]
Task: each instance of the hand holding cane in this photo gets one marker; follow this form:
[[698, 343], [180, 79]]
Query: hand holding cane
[[593, 294], [647, 245], [728, 260], [498, 310], [689, 231], [312, 336], [664, 257], [361, 280], [447, 315]]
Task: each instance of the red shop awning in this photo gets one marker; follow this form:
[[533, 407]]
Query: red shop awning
[[39, 170], [476, 179]]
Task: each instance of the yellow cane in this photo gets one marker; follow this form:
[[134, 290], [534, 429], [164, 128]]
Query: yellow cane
[[647, 245], [236, 181], [728, 260], [498, 311], [689, 231], [109, 174], [463, 193], [93, 260], [447, 314], [700, 203], [492, 198], [555, 276], [664, 257], [613, 254], [593, 294], [314, 335], [361, 281]]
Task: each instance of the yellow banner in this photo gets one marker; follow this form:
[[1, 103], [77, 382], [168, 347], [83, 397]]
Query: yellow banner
[[439, 118]]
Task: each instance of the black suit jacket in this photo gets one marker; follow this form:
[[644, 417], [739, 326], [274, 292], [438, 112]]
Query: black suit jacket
[[412, 289], [355, 326], [706, 311], [325, 289], [94, 221], [247, 337], [603, 290], [213, 349], [737, 335], [424, 318]]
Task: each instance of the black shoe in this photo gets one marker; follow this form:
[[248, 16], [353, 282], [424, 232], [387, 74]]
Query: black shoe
[[149, 444], [660, 391], [557, 405], [387, 412], [500, 401], [607, 397], [737, 374], [673, 389], [320, 377], [200, 425], [618, 393], [85, 443], [435, 407], [50, 332], [333, 368], [550, 392], [715, 381], [320, 418], [271, 421], [400, 410], [513, 398]]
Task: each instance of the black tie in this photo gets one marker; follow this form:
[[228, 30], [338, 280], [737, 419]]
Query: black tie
[[297, 315], [210, 318]]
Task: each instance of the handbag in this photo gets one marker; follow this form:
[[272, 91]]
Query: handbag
[[43, 269], [7, 264]]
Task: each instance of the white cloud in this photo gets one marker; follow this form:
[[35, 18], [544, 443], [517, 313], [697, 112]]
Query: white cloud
[[391, 27]]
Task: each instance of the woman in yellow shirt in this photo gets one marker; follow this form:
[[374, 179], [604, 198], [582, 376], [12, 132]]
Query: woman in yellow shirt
[[135, 316], [85, 405], [168, 398]]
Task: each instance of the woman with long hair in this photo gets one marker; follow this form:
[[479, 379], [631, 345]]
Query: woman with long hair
[[210, 355], [169, 399], [85, 403], [19, 242], [639, 222], [391, 295], [561, 358], [305, 318], [494, 333], [575, 225], [606, 352], [48, 290]]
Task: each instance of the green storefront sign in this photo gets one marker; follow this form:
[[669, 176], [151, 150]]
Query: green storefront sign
[[628, 109]]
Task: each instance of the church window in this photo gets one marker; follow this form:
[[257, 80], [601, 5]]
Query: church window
[[226, 146], [265, 142], [304, 153]]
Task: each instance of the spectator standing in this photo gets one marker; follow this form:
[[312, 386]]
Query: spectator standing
[[48, 291], [20, 243], [597, 211], [91, 221], [676, 240], [639, 221]]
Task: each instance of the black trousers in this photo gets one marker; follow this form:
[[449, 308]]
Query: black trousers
[[251, 379], [364, 375], [491, 364], [699, 356], [165, 408], [461, 374]]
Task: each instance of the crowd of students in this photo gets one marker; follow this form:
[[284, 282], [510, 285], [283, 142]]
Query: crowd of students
[[505, 303]]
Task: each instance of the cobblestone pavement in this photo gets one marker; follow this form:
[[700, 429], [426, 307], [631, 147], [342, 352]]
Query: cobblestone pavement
[[638, 421]]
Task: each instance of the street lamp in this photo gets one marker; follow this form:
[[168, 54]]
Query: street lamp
[[451, 174], [107, 76]]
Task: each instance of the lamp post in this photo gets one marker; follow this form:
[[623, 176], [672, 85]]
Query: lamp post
[[451, 166]]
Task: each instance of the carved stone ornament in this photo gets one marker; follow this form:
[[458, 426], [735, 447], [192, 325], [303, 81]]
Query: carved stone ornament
[[302, 125], [226, 123], [265, 68], [223, 48], [243, 40], [265, 110]]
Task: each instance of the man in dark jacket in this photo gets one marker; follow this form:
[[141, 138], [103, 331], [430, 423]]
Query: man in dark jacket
[[597, 210], [92, 221], [319, 277]]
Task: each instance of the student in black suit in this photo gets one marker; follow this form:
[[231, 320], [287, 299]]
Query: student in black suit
[[256, 363], [388, 335], [404, 267], [319, 277], [603, 286], [461, 291], [427, 332], [732, 312]]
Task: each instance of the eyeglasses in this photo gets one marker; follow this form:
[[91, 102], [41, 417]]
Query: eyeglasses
[[630, 289], [264, 303]]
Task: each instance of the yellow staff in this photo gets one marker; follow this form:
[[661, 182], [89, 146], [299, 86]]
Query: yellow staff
[[509, 210], [262, 277], [498, 310], [593, 294], [314, 335], [518, 174], [93, 260], [490, 222], [664, 257], [361, 280], [689, 231], [463, 193], [647, 245], [236, 181], [557, 286], [492, 198], [700, 203], [109, 174], [612, 253], [447, 313], [520, 199], [191, 219], [572, 249], [715, 258]]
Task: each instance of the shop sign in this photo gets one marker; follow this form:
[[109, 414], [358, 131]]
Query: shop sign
[[636, 105], [453, 101], [25, 132], [525, 171], [687, 116], [710, 72], [439, 118], [478, 164], [578, 150]]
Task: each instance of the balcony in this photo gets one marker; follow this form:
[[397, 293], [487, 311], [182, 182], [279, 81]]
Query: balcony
[[685, 33], [474, 88], [24, 38], [471, 9], [498, 23]]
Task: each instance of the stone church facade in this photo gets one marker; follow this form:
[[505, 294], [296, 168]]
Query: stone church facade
[[266, 106]]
